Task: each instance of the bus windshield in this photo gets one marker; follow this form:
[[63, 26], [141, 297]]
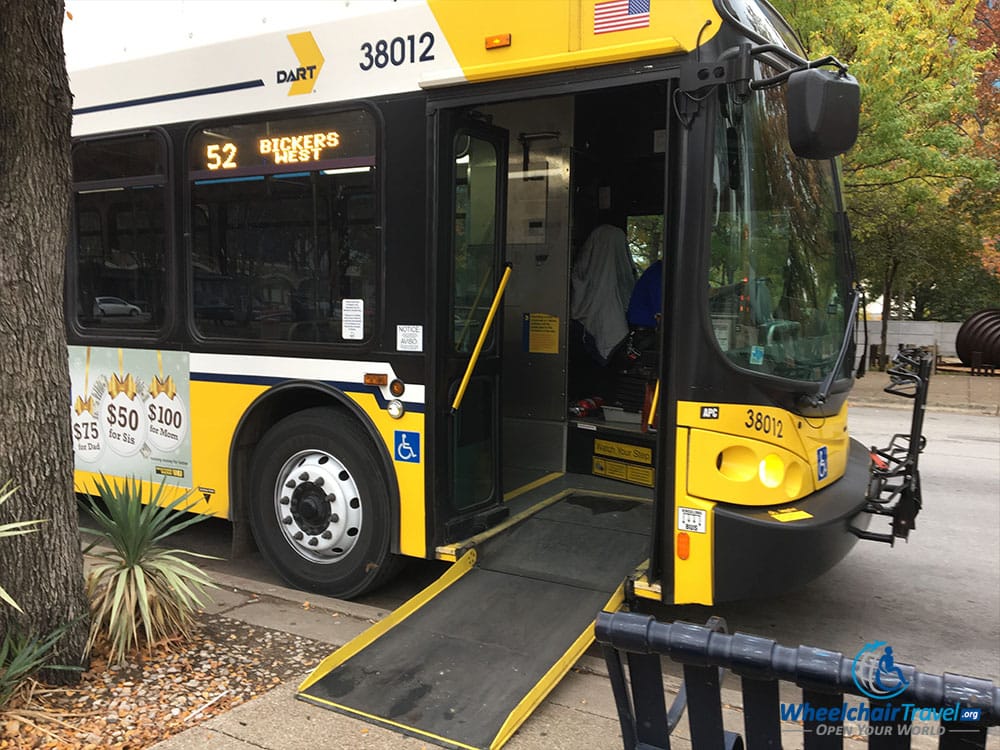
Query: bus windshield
[[777, 280]]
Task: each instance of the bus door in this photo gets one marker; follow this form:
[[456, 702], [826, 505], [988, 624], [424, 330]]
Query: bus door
[[473, 184]]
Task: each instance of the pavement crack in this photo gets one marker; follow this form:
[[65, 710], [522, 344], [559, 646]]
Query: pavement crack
[[237, 738]]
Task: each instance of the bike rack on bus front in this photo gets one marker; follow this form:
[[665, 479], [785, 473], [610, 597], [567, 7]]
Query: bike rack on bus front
[[893, 476]]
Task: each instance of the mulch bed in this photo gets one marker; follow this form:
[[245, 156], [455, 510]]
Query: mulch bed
[[160, 693]]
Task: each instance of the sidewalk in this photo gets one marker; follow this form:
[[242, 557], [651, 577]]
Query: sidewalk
[[579, 713], [951, 391]]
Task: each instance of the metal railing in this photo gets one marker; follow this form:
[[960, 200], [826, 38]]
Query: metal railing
[[964, 707]]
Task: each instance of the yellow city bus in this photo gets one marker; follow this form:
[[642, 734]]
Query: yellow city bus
[[362, 287]]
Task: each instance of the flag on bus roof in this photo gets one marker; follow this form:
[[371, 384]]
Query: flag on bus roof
[[618, 15]]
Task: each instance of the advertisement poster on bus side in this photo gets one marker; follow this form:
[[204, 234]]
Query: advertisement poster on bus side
[[130, 413]]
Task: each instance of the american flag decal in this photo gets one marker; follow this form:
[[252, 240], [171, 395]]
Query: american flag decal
[[618, 15]]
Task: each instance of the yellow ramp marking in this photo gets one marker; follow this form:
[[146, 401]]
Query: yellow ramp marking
[[550, 679], [789, 514], [349, 649]]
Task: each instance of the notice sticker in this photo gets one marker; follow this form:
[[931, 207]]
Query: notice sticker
[[409, 338], [541, 333], [352, 326], [691, 519]]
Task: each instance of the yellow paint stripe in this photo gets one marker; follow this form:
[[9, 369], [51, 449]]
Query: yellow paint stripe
[[450, 552], [551, 678], [641, 585], [790, 514], [508, 496], [405, 728], [456, 548], [352, 647]]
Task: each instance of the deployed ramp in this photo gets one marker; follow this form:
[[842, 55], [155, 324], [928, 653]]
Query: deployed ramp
[[465, 662]]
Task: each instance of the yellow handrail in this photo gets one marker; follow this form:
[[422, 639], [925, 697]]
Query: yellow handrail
[[482, 338], [655, 404]]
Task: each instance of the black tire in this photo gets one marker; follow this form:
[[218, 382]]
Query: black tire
[[319, 505]]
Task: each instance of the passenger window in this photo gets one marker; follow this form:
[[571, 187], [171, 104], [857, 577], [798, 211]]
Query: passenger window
[[120, 232], [285, 231]]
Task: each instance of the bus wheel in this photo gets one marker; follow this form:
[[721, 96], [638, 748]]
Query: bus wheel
[[319, 507]]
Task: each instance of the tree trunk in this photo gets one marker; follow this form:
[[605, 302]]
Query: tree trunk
[[887, 280], [43, 571]]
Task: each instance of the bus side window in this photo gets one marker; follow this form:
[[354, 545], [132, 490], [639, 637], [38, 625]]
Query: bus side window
[[286, 245], [120, 229]]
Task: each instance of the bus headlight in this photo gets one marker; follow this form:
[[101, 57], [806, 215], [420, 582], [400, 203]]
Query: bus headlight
[[771, 471], [395, 409]]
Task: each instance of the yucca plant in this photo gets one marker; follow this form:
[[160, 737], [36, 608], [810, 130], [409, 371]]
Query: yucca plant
[[13, 529], [22, 656], [137, 585]]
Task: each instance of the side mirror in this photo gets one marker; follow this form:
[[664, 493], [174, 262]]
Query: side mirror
[[823, 108]]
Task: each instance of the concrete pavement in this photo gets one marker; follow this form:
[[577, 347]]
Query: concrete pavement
[[579, 713], [952, 391]]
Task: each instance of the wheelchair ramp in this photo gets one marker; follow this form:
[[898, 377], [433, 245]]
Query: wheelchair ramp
[[467, 660]]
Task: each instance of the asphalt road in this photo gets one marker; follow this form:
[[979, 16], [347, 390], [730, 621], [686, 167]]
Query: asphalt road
[[935, 599]]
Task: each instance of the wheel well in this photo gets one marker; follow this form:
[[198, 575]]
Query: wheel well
[[275, 405]]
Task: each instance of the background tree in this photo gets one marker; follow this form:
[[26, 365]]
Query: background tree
[[43, 571], [923, 176]]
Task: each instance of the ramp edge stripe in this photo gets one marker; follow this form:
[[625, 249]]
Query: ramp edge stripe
[[450, 551], [553, 676], [493, 531], [387, 723], [518, 491], [355, 645]]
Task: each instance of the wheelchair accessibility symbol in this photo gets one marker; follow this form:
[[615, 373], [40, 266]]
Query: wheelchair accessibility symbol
[[822, 463], [407, 447]]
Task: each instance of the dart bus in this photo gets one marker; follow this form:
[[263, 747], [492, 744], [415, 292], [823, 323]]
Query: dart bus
[[361, 287]]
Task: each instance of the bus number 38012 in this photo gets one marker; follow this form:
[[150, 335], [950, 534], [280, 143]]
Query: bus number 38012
[[397, 51], [761, 422]]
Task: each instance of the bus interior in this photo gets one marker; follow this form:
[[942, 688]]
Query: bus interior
[[576, 163]]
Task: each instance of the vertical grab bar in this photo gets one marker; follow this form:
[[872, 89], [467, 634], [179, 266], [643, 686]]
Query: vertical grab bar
[[654, 405], [508, 267]]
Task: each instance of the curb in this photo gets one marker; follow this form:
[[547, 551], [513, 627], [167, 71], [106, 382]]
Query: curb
[[593, 665], [294, 596], [988, 410]]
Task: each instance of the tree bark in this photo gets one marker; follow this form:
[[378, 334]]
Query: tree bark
[[887, 281], [43, 571]]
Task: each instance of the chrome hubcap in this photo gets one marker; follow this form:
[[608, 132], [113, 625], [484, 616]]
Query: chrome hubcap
[[318, 506]]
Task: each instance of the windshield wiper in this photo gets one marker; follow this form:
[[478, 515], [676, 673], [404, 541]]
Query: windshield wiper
[[819, 398]]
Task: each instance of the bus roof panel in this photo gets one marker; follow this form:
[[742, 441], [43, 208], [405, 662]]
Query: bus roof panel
[[403, 47]]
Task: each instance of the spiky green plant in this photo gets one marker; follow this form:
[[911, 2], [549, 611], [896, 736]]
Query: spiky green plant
[[21, 656], [136, 584], [13, 529]]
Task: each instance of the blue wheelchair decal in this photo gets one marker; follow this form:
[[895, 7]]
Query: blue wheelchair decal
[[822, 464], [407, 448]]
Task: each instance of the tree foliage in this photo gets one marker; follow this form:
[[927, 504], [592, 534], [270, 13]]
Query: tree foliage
[[922, 180]]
